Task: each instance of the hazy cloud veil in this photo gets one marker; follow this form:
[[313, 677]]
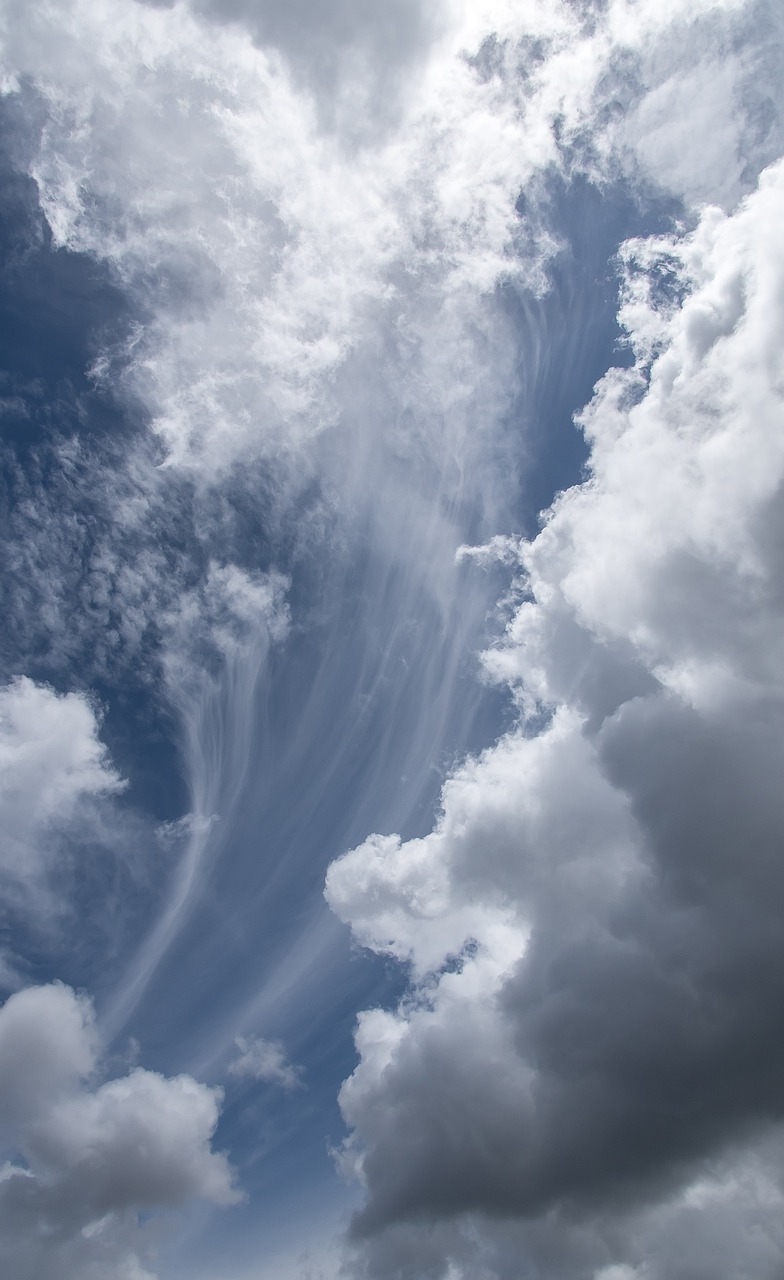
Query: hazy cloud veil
[[391, 410]]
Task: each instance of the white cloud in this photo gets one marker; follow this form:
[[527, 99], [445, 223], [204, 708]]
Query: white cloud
[[330, 308], [216, 642], [269, 254], [711, 119], [230, 614], [666, 553], [52, 763], [87, 1157], [354, 57], [264, 1060], [626, 835], [330, 304]]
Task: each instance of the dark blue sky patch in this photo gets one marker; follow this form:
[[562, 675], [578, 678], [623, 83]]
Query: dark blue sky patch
[[570, 336]]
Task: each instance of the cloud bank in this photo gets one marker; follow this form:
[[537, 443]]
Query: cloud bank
[[593, 1042]]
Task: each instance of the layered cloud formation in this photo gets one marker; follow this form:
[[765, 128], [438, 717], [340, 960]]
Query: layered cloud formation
[[302, 299]]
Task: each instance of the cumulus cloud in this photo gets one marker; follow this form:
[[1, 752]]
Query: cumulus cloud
[[52, 764], [728, 1224], [621, 1066], [87, 1157], [267, 258]]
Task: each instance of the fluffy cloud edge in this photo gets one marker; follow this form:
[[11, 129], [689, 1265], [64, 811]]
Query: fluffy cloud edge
[[90, 1156], [610, 843]]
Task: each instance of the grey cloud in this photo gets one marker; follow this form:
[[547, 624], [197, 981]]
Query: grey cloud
[[728, 1225], [657, 1035], [87, 1156], [626, 1064], [354, 55]]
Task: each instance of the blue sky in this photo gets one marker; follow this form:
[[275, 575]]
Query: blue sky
[[392, 679]]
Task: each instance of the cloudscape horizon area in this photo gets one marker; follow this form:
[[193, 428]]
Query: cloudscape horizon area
[[392, 702]]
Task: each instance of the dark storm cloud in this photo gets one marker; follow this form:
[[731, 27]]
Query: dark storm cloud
[[645, 1037]]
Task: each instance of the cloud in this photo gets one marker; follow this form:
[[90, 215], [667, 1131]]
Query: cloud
[[216, 642], [270, 262], [64, 829], [354, 58], [95, 554], [266, 252], [52, 765], [728, 1224], [328, 365], [294, 302], [711, 122], [89, 1157], [230, 613], [626, 1052], [264, 1060]]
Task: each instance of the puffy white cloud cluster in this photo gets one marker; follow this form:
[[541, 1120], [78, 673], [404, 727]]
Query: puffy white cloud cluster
[[52, 766], [88, 1157], [585, 1079], [275, 257], [354, 56]]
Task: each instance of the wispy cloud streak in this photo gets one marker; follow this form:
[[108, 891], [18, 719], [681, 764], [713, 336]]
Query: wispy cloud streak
[[218, 648]]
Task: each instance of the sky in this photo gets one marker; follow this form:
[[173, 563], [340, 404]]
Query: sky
[[392, 690]]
